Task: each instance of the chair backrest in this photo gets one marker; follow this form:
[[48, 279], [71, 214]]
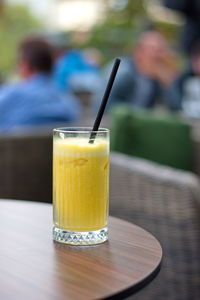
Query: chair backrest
[[26, 163], [163, 139], [26, 167], [165, 202]]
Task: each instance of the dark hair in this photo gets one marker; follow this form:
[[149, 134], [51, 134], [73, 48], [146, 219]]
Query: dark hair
[[38, 53]]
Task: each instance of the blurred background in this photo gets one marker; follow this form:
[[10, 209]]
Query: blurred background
[[108, 25], [158, 42], [55, 60]]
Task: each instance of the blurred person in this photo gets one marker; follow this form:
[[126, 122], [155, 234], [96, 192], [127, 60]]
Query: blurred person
[[35, 101], [191, 29], [76, 70], [87, 80], [145, 77], [186, 89]]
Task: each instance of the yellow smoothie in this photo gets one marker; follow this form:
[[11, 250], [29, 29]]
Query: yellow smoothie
[[81, 184]]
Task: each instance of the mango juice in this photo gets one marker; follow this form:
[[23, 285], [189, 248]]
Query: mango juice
[[80, 184]]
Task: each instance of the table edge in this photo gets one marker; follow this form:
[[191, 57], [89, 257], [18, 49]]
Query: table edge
[[133, 289]]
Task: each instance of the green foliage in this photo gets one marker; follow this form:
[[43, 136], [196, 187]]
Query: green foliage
[[116, 34], [15, 23]]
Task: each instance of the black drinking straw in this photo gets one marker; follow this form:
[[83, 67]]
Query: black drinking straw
[[104, 100]]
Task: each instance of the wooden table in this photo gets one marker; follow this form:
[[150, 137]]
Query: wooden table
[[32, 266]]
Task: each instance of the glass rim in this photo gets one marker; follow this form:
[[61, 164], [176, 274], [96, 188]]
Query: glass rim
[[80, 130]]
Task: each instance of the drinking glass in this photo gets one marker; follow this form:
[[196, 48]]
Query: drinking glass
[[80, 185]]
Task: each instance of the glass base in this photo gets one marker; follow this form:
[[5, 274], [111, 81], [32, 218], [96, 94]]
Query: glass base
[[80, 238]]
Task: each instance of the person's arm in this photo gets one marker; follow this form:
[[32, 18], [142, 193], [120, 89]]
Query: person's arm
[[174, 94]]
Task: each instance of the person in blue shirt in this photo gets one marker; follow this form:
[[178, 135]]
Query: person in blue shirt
[[77, 71], [69, 65], [35, 101]]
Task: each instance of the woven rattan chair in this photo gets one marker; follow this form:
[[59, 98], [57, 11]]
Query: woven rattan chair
[[26, 167], [162, 200], [26, 163], [165, 202]]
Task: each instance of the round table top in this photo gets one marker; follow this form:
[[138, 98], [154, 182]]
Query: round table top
[[34, 267]]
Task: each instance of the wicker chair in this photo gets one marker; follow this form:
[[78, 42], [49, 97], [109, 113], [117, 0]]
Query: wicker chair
[[26, 164], [26, 167], [165, 202]]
